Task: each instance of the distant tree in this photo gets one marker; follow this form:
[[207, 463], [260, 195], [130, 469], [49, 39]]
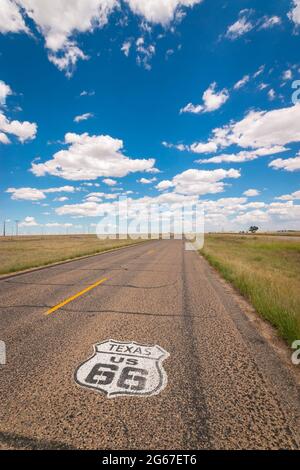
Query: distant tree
[[253, 229]]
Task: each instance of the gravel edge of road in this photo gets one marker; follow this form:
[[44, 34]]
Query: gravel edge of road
[[267, 331]]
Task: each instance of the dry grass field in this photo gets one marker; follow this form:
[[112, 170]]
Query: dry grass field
[[19, 253], [266, 270]]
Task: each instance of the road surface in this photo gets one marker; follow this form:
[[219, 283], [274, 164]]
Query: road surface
[[226, 389]]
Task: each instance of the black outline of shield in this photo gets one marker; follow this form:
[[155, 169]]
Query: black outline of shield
[[158, 363]]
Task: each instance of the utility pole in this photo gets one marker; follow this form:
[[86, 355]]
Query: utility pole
[[4, 228]]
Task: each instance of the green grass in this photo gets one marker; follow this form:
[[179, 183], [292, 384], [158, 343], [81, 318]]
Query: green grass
[[266, 271], [20, 253]]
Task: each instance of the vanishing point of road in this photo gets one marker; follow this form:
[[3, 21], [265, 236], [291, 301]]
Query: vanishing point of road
[[227, 388]]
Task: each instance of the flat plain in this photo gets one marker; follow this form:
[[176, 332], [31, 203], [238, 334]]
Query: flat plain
[[266, 270], [20, 253]]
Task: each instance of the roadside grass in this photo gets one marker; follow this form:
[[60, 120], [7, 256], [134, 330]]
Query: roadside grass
[[266, 271], [20, 253]]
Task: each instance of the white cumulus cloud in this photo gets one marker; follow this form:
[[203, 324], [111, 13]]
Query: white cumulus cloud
[[261, 129], [26, 194], [242, 26], [290, 197], [33, 194], [243, 156], [212, 100], [199, 182], [83, 117], [11, 20], [4, 139], [147, 180], [126, 48], [29, 222], [60, 21], [270, 22], [251, 193], [90, 157], [258, 134], [294, 14], [201, 147], [287, 164], [5, 91], [24, 131], [241, 83], [159, 11], [110, 182]]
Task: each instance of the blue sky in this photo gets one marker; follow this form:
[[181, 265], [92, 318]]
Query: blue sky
[[159, 100]]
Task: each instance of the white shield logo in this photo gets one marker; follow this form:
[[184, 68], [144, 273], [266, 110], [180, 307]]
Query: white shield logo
[[121, 369]]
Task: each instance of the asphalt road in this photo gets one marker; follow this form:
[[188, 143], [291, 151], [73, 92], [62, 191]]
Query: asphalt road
[[227, 388]]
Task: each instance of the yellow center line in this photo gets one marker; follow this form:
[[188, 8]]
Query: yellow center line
[[70, 299]]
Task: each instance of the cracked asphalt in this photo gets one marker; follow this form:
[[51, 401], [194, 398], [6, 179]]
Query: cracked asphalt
[[227, 388]]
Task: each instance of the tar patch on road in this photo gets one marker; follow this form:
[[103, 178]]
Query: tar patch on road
[[124, 369]]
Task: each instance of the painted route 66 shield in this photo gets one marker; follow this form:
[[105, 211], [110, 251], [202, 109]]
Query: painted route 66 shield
[[121, 369]]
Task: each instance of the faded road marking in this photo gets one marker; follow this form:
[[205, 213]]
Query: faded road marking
[[70, 299], [124, 369]]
